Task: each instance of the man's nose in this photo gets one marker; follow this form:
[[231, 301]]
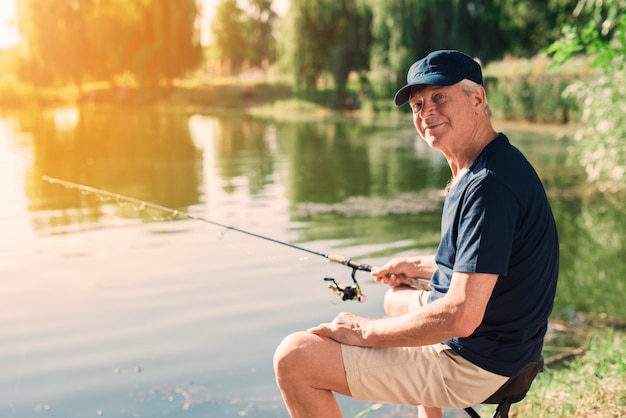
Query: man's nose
[[427, 109]]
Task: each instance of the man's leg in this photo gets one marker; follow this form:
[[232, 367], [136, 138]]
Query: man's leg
[[309, 368], [399, 300], [428, 412]]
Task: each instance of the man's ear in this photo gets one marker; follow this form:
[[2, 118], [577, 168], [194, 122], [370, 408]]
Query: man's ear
[[479, 99]]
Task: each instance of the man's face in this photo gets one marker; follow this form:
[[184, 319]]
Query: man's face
[[443, 116]]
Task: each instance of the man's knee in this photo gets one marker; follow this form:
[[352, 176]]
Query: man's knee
[[399, 300], [290, 354], [306, 358]]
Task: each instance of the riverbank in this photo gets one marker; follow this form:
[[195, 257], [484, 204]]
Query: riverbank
[[591, 384], [518, 89], [179, 95]]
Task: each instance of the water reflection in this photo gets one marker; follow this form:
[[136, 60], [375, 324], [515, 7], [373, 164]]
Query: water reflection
[[332, 161], [149, 155], [593, 244], [244, 148], [337, 177]]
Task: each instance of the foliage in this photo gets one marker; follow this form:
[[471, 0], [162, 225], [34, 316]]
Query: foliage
[[600, 145], [242, 39], [260, 32], [598, 29], [72, 41], [342, 46], [527, 89], [325, 36], [308, 38], [350, 51], [227, 33], [54, 33], [168, 42]]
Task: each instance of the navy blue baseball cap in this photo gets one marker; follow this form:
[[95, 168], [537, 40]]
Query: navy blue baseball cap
[[439, 68]]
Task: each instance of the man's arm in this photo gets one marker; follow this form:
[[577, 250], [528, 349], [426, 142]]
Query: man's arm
[[457, 314]]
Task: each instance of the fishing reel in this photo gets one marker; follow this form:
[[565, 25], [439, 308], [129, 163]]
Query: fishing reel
[[346, 292]]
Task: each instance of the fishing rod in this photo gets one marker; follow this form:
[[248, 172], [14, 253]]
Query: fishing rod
[[346, 292]]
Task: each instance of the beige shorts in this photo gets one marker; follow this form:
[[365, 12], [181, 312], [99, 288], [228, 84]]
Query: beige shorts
[[432, 375]]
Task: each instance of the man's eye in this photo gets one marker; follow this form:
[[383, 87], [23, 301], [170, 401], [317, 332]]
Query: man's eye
[[439, 98]]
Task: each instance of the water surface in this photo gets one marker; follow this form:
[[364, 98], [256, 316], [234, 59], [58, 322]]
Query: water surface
[[112, 309]]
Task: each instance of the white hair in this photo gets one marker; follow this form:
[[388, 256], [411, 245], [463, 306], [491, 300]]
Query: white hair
[[469, 87]]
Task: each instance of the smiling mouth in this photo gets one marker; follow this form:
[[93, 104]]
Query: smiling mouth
[[431, 127]]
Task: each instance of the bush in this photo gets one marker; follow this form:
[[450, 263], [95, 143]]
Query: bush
[[600, 145], [522, 89]]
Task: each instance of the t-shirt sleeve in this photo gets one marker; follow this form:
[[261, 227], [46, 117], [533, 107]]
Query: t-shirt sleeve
[[487, 223]]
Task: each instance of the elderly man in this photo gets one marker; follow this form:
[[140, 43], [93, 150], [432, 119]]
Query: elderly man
[[493, 276]]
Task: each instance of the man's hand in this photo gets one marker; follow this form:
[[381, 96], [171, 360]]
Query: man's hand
[[346, 328], [417, 267]]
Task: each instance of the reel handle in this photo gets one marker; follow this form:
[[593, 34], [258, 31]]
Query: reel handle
[[409, 281]]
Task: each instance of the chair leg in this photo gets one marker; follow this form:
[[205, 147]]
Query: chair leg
[[502, 411], [470, 411]]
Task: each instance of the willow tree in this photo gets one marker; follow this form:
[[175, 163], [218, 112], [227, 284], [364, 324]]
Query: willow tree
[[167, 40], [54, 46], [394, 40], [307, 35], [406, 30], [260, 22], [327, 36], [227, 28], [350, 48], [67, 41]]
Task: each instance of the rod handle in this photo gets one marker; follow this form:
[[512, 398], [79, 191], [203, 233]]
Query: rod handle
[[336, 258], [415, 282]]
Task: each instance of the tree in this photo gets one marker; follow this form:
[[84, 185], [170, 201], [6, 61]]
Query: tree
[[113, 39], [55, 47], [168, 40], [405, 30], [307, 37], [228, 33], [76, 40], [518, 28], [324, 35], [350, 49], [260, 32], [332, 36], [600, 35], [397, 43]]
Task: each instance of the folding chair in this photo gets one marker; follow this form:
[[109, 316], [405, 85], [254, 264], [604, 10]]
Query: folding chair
[[514, 390]]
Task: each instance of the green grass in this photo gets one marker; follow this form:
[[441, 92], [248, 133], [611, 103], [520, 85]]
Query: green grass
[[590, 385]]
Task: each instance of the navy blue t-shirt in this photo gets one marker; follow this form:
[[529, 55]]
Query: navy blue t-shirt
[[496, 219]]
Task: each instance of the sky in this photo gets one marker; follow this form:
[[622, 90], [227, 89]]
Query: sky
[[9, 35]]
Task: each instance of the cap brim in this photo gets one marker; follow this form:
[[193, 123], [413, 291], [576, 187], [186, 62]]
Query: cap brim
[[402, 96]]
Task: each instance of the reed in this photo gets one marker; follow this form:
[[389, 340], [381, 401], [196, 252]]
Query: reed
[[530, 90]]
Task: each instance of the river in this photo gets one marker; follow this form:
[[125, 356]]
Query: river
[[116, 309]]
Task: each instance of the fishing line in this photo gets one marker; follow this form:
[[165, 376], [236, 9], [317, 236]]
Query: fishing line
[[345, 291]]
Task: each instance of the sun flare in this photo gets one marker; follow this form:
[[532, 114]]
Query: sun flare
[[9, 35]]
